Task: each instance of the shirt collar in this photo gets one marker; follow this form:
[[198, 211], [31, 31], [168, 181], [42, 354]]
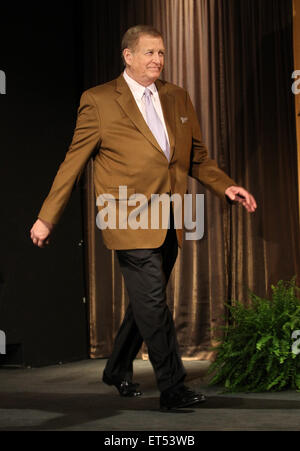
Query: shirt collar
[[137, 88]]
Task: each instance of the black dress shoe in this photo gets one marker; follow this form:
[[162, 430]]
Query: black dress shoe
[[179, 398], [126, 388]]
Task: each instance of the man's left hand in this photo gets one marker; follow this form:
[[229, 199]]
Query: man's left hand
[[240, 195]]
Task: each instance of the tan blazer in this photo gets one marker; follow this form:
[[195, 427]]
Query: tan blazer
[[111, 127]]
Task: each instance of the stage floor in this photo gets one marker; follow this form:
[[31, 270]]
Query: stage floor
[[71, 397]]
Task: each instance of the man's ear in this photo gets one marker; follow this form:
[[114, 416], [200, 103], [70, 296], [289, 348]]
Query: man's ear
[[127, 55]]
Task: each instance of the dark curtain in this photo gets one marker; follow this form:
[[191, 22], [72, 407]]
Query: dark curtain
[[259, 133], [236, 59], [296, 26]]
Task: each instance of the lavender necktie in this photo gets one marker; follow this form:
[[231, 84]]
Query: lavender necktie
[[155, 124]]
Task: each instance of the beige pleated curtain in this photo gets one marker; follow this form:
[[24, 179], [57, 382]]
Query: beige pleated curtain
[[235, 62], [296, 11]]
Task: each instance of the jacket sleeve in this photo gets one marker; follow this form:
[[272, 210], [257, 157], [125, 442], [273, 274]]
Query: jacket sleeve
[[203, 168], [85, 140]]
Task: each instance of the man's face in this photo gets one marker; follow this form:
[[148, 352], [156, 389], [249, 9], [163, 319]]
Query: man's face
[[146, 62]]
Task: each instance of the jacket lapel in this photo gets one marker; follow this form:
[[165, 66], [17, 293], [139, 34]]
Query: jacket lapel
[[130, 108], [168, 106]]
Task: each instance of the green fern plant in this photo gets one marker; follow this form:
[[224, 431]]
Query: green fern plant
[[256, 353]]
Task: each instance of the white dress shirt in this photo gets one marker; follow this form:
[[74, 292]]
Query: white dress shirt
[[138, 94]]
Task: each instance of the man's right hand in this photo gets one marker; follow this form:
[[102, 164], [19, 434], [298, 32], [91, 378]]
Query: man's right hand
[[40, 233]]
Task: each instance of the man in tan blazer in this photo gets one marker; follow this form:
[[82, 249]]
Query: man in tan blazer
[[145, 137]]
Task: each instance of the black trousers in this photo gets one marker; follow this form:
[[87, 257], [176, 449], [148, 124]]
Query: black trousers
[[146, 273]]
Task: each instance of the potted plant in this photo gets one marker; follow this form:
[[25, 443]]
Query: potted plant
[[259, 351]]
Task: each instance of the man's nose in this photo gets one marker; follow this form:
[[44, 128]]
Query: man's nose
[[156, 58]]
